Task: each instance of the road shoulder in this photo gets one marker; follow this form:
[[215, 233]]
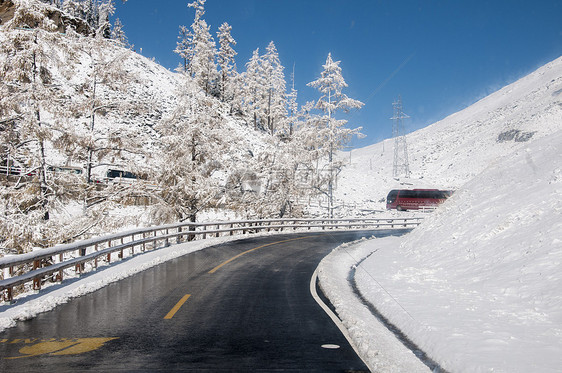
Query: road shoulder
[[376, 345]]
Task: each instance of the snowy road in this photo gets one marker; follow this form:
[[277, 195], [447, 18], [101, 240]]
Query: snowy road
[[239, 306]]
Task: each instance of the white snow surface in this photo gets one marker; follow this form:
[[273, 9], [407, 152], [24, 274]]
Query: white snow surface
[[478, 285]]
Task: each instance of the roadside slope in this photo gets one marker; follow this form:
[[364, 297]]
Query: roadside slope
[[476, 286]]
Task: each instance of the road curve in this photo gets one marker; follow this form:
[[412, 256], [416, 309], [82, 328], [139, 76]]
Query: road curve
[[240, 306]]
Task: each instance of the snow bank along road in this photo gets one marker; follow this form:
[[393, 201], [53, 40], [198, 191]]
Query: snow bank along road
[[239, 306]]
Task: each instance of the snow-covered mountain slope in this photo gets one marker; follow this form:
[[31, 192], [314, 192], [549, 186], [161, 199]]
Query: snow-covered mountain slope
[[131, 105], [452, 151], [477, 285]]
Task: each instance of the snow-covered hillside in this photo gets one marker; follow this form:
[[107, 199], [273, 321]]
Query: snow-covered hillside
[[477, 285], [91, 107], [452, 151]]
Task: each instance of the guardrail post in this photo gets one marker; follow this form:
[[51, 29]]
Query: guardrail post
[[120, 255], [204, 234], [79, 268], [96, 258], [144, 243], [167, 240], [36, 281], [218, 228], [108, 254], [132, 246], [178, 238], [191, 237], [231, 229]]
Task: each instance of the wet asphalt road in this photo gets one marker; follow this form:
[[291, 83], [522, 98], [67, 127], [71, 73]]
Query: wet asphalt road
[[252, 313]]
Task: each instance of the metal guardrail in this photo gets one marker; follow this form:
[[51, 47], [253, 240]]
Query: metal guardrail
[[44, 264]]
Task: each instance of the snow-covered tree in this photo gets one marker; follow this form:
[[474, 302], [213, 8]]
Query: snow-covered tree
[[292, 106], [204, 68], [225, 59], [252, 88], [95, 97], [95, 13], [274, 103], [30, 103], [263, 90], [330, 85], [100, 17], [118, 33], [198, 50], [74, 8], [184, 49], [195, 156]]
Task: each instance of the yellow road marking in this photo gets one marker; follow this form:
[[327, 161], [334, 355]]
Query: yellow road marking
[[249, 251], [53, 346], [176, 307]]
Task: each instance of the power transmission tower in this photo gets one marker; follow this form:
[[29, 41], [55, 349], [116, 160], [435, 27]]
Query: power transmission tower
[[401, 167]]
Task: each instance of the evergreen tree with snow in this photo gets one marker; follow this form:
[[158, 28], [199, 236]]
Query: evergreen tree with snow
[[263, 89], [332, 101], [101, 13]]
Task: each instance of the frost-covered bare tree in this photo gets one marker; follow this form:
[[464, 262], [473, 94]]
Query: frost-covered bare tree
[[118, 33], [227, 64], [251, 89], [292, 107], [263, 93], [95, 98], [332, 101], [198, 50], [203, 64], [274, 102], [195, 156], [184, 48], [31, 102]]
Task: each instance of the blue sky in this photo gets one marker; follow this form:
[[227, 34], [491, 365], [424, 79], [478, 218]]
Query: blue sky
[[439, 56]]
